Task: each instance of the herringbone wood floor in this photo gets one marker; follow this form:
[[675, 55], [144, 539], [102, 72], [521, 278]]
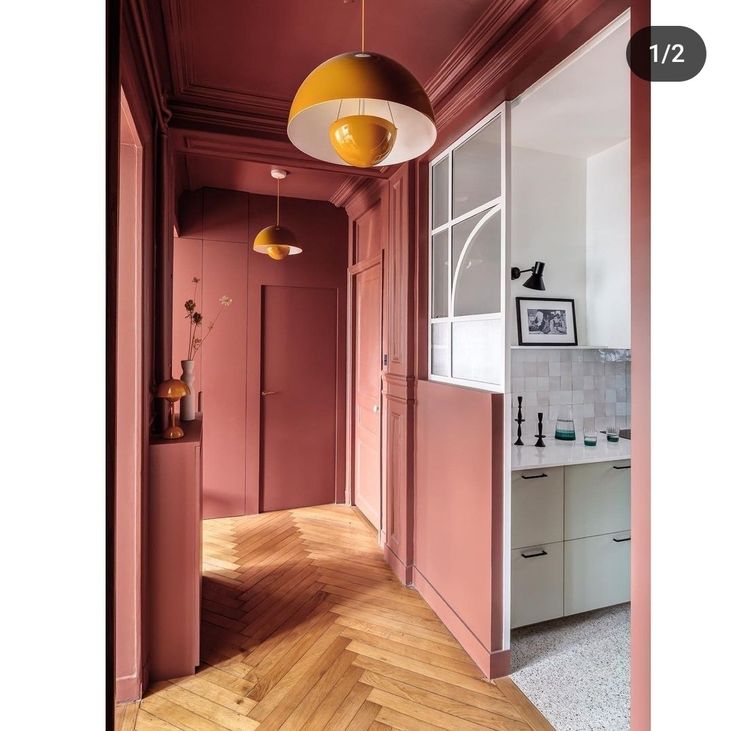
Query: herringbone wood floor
[[305, 627]]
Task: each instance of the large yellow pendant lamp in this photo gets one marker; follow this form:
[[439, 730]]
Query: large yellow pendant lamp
[[361, 109], [276, 241]]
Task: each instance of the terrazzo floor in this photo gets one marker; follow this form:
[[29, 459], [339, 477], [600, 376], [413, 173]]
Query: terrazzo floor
[[576, 670]]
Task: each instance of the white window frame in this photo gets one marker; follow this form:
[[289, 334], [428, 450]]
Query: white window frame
[[496, 206]]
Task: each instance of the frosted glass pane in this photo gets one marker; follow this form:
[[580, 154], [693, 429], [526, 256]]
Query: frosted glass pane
[[477, 350], [440, 193], [476, 169], [439, 275], [480, 275], [440, 348]]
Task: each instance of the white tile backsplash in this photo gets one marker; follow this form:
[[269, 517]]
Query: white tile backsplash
[[594, 384]]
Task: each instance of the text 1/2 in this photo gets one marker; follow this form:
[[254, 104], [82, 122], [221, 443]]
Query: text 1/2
[[672, 52]]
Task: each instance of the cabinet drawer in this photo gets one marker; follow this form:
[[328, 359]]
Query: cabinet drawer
[[596, 499], [596, 572], [537, 508], [537, 584]]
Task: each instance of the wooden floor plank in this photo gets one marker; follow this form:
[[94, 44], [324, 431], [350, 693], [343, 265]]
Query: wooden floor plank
[[530, 713], [205, 708], [335, 698], [364, 717], [488, 697], [503, 717], [404, 723], [348, 708], [233, 700], [283, 699], [146, 722], [125, 716]]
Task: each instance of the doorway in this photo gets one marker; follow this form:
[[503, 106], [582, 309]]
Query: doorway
[[298, 397], [569, 543], [367, 292]]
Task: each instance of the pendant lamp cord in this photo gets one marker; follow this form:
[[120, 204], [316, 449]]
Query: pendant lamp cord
[[278, 202], [362, 25]]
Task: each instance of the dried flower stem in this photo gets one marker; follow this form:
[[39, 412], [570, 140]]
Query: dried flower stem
[[195, 320]]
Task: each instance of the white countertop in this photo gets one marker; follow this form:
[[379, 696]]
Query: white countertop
[[558, 453]]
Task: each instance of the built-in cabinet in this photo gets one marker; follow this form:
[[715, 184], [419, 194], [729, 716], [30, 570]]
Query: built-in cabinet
[[175, 552], [570, 540]]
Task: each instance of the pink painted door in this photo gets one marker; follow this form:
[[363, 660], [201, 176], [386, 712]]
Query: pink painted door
[[367, 364], [298, 397]]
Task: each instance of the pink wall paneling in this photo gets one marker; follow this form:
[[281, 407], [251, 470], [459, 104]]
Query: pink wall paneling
[[453, 511], [223, 379]]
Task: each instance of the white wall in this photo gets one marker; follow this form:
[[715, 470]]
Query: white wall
[[548, 197], [608, 247]]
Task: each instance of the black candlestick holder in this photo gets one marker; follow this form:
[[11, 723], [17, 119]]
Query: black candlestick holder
[[519, 420], [540, 436]]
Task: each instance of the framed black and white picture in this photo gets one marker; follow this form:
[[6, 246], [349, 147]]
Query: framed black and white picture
[[546, 321]]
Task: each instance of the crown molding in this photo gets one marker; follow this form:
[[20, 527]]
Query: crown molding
[[206, 143], [492, 24], [362, 194], [140, 35], [259, 120], [349, 189]]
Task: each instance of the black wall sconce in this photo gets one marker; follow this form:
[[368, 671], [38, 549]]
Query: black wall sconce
[[536, 280]]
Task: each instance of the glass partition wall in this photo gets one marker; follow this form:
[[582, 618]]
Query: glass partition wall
[[468, 256]]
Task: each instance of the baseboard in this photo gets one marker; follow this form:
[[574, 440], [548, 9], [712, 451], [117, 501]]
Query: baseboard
[[474, 648], [403, 572], [499, 664], [128, 688]]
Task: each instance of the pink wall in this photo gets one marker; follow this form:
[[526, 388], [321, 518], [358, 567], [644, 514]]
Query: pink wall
[[453, 511], [640, 260], [216, 228]]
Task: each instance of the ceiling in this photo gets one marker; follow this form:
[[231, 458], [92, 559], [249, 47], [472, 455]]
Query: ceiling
[[241, 61], [255, 177], [582, 107]]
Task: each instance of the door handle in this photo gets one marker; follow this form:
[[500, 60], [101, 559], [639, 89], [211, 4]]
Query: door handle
[[621, 540], [267, 393], [534, 555], [534, 477], [621, 467], [376, 408]]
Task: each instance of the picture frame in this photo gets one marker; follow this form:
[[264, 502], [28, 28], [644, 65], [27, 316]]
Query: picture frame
[[548, 321]]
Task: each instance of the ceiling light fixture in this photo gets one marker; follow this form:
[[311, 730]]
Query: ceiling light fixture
[[361, 109], [276, 241]]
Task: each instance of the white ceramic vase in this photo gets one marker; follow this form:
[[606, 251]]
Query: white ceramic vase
[[188, 403]]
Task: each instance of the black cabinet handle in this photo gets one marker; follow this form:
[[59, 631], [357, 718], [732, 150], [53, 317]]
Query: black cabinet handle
[[535, 555], [534, 477], [621, 540], [623, 467]]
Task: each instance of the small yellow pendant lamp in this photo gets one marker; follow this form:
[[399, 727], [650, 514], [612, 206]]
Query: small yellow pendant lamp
[[361, 109], [277, 242]]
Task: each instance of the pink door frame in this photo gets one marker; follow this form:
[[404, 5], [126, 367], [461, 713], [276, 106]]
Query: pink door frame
[[129, 412], [640, 260], [363, 267]]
